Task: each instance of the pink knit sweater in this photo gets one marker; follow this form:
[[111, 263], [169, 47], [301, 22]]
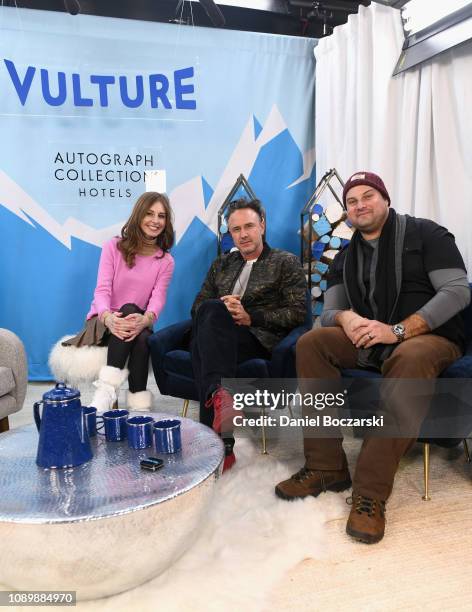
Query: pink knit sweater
[[144, 285]]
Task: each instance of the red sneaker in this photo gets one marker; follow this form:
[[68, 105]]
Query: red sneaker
[[229, 461], [224, 411]]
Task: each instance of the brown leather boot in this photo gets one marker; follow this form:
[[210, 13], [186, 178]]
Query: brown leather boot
[[366, 522], [313, 482]]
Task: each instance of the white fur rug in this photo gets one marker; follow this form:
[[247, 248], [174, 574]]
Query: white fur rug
[[250, 541], [247, 556]]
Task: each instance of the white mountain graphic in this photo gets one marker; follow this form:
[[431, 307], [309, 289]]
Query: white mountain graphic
[[242, 161], [309, 159], [15, 199], [187, 202], [187, 199]]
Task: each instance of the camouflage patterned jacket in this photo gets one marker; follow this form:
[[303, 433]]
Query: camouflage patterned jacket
[[275, 297]]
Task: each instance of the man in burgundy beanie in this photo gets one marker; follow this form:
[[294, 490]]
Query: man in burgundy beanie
[[392, 305]]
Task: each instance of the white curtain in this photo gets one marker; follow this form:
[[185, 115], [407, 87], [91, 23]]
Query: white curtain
[[414, 130]]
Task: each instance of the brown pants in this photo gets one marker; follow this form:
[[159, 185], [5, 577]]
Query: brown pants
[[322, 352]]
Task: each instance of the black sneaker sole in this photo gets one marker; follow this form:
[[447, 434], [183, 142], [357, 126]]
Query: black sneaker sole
[[365, 538], [335, 488]]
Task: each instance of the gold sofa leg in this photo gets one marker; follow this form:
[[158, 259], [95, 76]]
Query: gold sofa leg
[[426, 496], [4, 424], [263, 431], [185, 408], [466, 450]]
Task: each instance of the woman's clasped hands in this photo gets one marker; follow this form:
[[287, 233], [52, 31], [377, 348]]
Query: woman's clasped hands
[[126, 328]]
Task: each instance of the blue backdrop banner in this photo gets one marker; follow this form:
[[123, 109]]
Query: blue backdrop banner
[[94, 110]]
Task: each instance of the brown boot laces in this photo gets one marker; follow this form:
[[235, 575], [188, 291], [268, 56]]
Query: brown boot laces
[[365, 505], [305, 473]]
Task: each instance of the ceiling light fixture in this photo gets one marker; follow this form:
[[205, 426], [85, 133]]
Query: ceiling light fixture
[[431, 28], [420, 14], [72, 6], [210, 8]]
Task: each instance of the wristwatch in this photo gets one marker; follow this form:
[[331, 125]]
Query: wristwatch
[[399, 331]]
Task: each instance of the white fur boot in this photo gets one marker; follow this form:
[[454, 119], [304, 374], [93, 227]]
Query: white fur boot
[[141, 400], [108, 384]]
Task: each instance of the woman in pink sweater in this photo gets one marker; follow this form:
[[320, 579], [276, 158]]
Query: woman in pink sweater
[[133, 276]]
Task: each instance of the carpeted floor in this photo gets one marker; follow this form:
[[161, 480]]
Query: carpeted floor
[[424, 561], [257, 553]]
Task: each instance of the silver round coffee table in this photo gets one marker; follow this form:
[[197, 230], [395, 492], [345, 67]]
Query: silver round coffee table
[[105, 526]]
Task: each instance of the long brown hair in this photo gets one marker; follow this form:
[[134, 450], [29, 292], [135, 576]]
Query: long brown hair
[[132, 235]]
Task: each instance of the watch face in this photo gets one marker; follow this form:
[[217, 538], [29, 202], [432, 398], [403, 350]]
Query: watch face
[[399, 330]]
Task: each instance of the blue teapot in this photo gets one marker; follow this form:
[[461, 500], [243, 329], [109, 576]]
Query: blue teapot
[[63, 438]]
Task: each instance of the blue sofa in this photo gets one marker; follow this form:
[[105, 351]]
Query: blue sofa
[[172, 364]]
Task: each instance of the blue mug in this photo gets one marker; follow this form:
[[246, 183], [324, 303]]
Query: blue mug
[[90, 420], [139, 431], [167, 436], [114, 423]]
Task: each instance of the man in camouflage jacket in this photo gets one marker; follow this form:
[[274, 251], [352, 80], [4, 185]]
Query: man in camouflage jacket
[[250, 300]]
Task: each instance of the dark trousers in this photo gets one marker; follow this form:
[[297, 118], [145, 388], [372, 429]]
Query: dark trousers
[[320, 355], [136, 351], [218, 345]]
